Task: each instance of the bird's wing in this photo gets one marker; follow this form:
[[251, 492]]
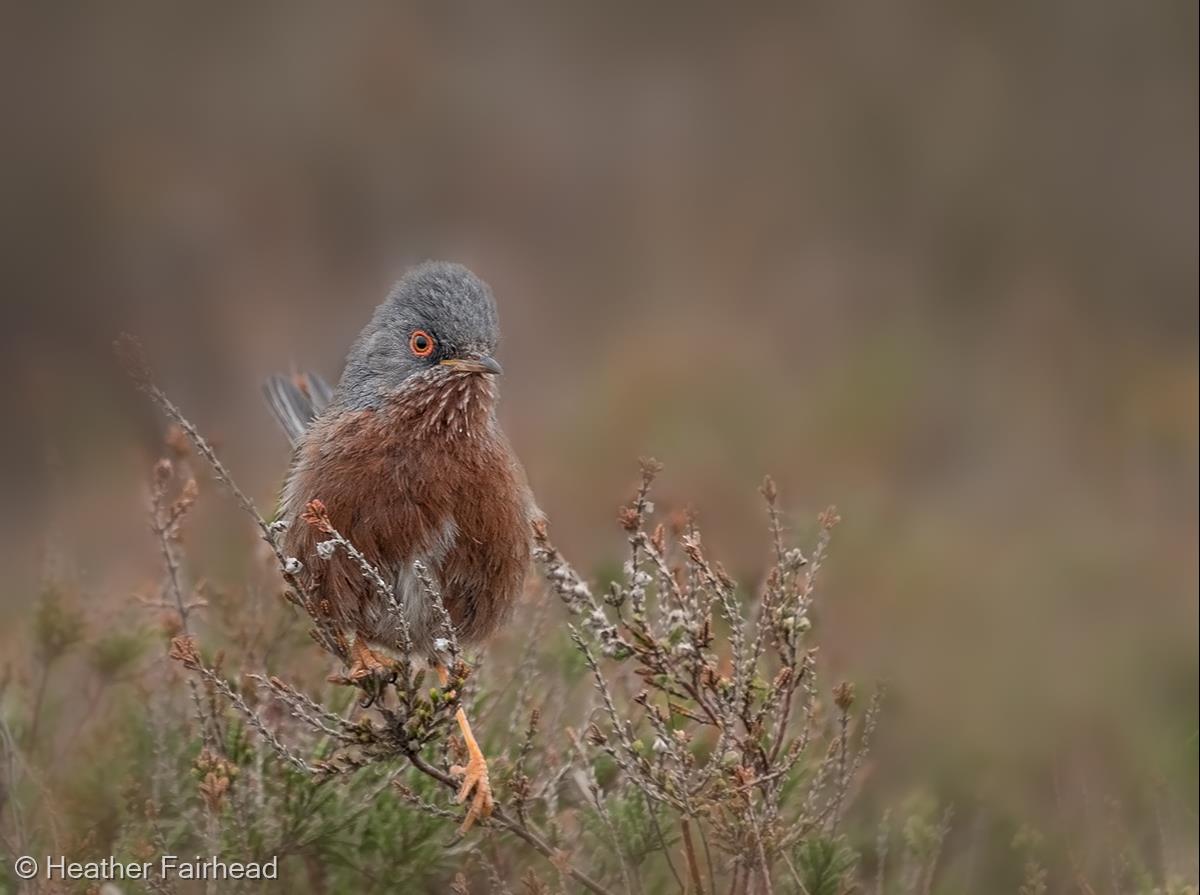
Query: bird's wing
[[296, 401]]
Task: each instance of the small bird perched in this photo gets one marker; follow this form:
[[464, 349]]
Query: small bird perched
[[411, 465]]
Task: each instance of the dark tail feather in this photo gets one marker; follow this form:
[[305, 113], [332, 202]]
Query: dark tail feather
[[296, 401]]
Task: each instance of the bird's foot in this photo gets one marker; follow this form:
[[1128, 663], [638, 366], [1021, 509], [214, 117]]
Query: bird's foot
[[474, 777], [368, 663], [368, 669]]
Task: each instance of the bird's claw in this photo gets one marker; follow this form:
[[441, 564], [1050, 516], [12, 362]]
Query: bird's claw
[[368, 663], [368, 670], [475, 777]]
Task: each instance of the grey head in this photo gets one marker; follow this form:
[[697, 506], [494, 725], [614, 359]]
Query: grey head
[[439, 320]]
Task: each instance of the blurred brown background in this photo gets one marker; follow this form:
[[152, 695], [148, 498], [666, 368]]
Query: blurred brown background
[[936, 264]]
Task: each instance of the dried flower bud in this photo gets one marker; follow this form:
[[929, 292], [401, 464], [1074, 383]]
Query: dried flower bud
[[190, 491], [843, 695], [629, 518], [595, 735], [829, 518], [316, 515], [183, 649], [659, 539], [183, 503], [216, 784], [782, 678], [650, 468]]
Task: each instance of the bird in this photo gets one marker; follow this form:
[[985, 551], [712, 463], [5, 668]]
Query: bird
[[412, 466]]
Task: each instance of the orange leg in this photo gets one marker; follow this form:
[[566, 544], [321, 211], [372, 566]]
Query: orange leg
[[475, 774]]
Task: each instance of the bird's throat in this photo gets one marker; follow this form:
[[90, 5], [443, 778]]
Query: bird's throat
[[447, 404]]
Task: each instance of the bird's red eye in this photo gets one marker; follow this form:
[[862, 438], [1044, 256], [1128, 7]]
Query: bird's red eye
[[421, 343]]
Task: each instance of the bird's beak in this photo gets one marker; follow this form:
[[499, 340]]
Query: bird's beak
[[483, 364]]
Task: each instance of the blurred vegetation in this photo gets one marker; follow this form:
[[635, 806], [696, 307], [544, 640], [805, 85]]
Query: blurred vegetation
[[676, 735]]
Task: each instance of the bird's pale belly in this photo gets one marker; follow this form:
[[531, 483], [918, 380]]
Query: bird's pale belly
[[378, 621]]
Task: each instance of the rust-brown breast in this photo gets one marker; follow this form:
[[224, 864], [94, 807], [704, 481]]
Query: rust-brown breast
[[429, 476]]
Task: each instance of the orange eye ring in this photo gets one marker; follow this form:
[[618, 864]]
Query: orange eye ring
[[421, 343]]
